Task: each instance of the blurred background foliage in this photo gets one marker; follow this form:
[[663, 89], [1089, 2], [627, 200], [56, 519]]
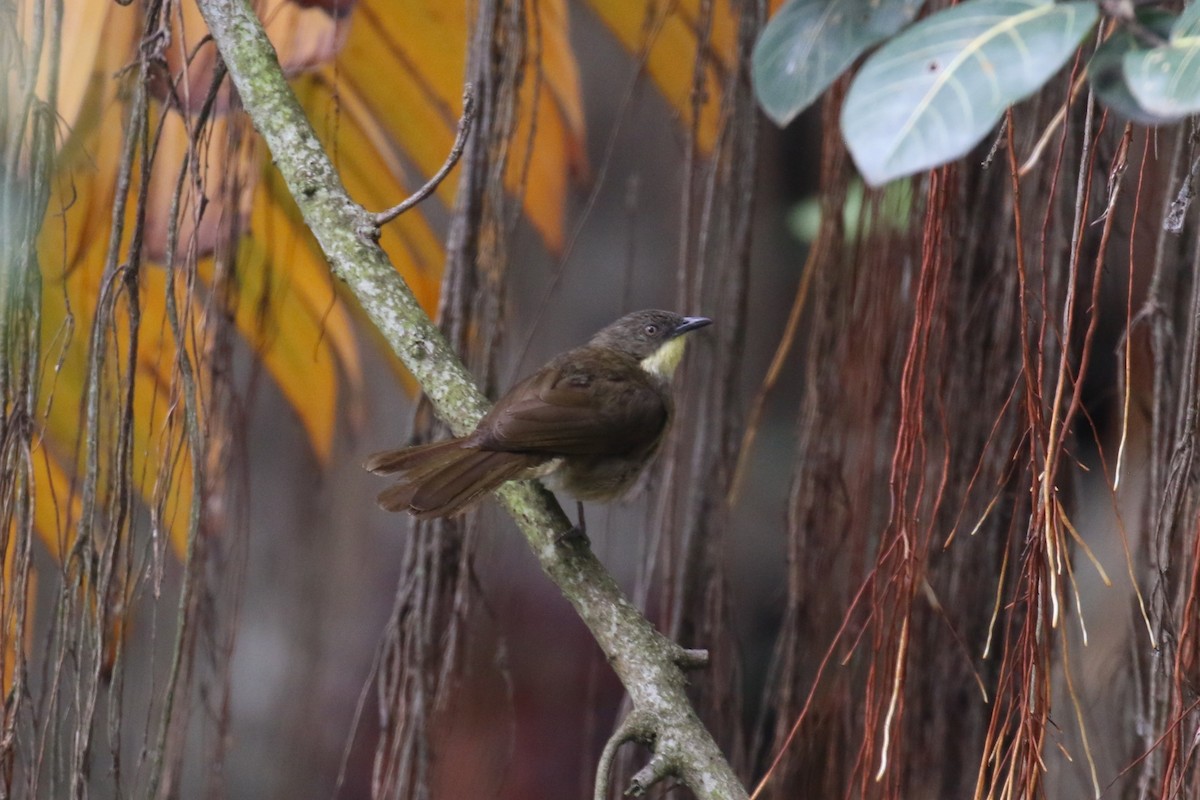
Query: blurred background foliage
[[929, 500]]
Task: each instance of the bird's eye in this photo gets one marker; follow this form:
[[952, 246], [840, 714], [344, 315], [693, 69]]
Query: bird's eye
[[651, 329]]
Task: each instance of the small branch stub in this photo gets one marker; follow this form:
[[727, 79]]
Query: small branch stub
[[687, 659], [656, 769], [460, 143]]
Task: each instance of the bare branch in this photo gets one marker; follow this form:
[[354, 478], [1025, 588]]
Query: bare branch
[[634, 728], [460, 143]]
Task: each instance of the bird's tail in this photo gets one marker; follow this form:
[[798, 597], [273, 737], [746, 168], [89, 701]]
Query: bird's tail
[[444, 478]]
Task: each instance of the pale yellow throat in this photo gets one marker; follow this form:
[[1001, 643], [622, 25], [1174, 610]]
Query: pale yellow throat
[[663, 361]]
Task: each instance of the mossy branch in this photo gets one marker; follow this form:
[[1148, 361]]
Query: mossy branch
[[646, 662]]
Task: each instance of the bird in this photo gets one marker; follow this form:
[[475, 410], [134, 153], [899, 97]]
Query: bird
[[589, 422]]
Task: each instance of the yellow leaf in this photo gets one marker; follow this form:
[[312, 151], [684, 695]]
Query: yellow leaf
[[297, 260], [406, 72], [55, 505], [72, 251], [286, 305], [11, 609], [669, 35], [288, 336], [223, 169], [162, 465], [304, 38], [85, 67], [354, 138]]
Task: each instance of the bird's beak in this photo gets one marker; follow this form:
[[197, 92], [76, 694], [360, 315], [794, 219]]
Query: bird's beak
[[690, 324]]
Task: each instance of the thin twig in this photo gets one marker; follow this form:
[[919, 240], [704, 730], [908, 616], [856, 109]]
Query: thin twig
[[1055, 123], [1177, 213], [460, 143], [637, 727]]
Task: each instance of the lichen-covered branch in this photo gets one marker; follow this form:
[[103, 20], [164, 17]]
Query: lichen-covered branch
[[646, 662]]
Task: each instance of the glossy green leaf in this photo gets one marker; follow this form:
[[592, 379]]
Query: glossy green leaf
[[1106, 70], [1165, 80], [932, 93], [1188, 23], [809, 43], [891, 210]]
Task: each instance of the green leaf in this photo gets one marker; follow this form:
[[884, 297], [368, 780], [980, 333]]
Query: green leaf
[[1106, 70], [803, 220], [892, 210], [1165, 80], [1188, 23], [809, 43], [929, 95]]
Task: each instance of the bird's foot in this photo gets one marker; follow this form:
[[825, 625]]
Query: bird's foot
[[573, 535], [576, 534]]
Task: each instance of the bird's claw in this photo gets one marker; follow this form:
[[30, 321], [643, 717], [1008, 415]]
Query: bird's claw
[[573, 535]]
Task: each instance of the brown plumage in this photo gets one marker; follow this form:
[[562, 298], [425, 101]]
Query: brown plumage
[[591, 419]]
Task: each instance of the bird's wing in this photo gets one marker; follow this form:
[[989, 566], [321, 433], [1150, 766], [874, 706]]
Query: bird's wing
[[568, 411]]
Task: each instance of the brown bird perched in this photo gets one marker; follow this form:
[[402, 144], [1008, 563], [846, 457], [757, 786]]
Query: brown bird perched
[[590, 420]]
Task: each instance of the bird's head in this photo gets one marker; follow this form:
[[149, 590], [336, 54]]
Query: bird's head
[[655, 338]]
